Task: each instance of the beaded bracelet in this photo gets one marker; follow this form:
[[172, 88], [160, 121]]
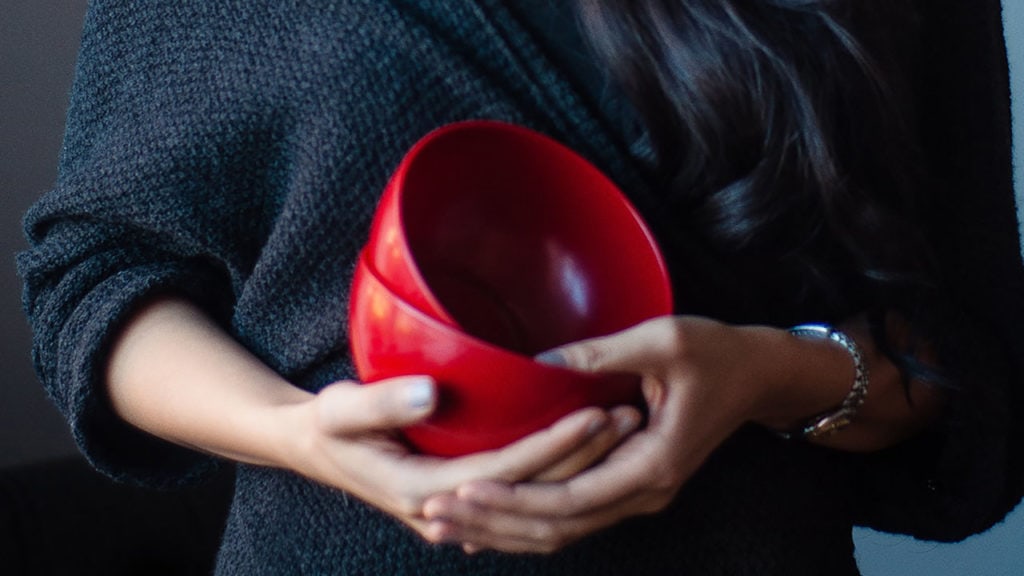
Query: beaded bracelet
[[831, 422]]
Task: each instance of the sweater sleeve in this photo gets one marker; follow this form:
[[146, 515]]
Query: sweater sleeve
[[966, 473], [235, 156], [160, 189]]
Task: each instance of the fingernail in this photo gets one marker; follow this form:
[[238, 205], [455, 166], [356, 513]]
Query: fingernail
[[419, 395], [628, 423], [551, 358], [596, 426]]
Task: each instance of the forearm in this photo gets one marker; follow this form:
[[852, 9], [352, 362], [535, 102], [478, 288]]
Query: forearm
[[175, 374], [805, 378]]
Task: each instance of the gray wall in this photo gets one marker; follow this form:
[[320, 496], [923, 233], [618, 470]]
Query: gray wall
[[38, 40]]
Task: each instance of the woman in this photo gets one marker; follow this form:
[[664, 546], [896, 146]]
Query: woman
[[187, 275]]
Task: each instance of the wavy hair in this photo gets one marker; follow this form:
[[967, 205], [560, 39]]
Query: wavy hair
[[775, 129]]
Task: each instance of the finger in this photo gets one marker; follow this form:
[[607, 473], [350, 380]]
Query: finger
[[426, 529], [520, 460], [468, 526], [623, 421], [399, 482], [351, 408], [621, 475], [631, 350], [453, 520]]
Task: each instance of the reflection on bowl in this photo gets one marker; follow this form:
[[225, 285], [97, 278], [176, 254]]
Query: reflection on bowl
[[489, 396], [516, 239]]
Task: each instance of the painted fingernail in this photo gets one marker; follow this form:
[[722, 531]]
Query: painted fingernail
[[551, 358], [419, 394], [628, 423], [596, 426]]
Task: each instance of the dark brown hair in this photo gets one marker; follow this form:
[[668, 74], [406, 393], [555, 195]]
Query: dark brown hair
[[773, 123]]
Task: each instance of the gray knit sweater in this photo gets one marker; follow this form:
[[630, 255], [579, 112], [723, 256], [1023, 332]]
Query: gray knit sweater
[[234, 151]]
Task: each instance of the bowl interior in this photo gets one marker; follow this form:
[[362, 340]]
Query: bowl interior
[[523, 242]]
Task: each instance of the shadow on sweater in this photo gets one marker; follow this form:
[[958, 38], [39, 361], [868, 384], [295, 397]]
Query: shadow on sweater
[[61, 517]]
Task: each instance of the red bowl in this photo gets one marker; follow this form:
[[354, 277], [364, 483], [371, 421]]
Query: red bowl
[[516, 239], [489, 396]]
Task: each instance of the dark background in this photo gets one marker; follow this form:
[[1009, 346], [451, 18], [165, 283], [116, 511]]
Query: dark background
[[38, 43]]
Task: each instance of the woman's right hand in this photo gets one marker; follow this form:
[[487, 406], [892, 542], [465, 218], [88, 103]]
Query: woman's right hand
[[346, 439], [175, 374]]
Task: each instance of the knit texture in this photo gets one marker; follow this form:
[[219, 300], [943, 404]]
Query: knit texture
[[234, 152]]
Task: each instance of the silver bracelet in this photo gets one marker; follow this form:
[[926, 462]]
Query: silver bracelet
[[831, 422]]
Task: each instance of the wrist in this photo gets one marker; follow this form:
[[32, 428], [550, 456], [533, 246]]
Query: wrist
[[803, 378], [177, 375], [269, 432]]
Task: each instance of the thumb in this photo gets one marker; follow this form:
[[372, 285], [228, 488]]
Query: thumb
[[630, 350], [352, 408]]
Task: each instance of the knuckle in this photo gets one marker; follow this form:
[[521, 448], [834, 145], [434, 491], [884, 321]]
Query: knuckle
[[665, 479], [654, 505], [585, 356], [407, 505], [432, 535], [552, 545], [382, 402], [673, 336], [543, 532]]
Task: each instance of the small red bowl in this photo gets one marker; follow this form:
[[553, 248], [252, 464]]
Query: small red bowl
[[489, 396], [515, 239]]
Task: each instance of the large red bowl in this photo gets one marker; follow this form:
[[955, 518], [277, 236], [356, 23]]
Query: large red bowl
[[516, 239], [489, 396]]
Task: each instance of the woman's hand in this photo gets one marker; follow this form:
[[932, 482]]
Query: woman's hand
[[176, 374], [700, 380], [347, 440]]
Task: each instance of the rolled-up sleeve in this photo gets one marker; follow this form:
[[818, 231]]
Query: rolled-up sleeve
[[143, 205]]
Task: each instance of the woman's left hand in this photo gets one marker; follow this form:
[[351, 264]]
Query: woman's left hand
[[701, 380]]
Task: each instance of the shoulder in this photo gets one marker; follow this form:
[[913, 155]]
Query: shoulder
[[162, 67]]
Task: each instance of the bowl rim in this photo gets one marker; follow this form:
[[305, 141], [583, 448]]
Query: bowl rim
[[397, 186], [486, 346]]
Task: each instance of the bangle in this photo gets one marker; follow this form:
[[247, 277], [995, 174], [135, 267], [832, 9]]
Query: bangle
[[831, 422]]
